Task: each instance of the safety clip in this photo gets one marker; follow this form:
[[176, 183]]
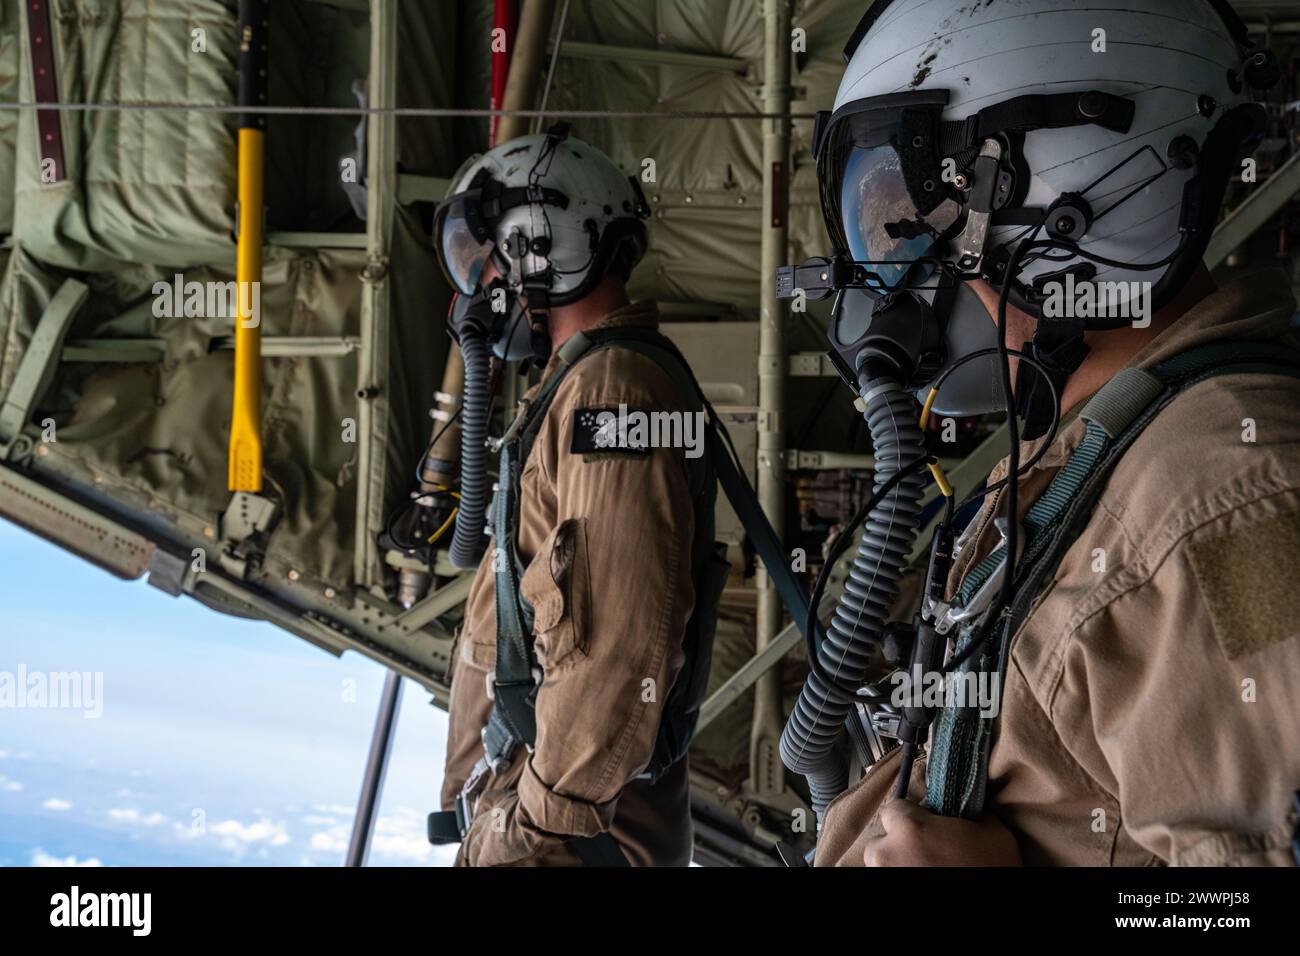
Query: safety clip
[[946, 615]]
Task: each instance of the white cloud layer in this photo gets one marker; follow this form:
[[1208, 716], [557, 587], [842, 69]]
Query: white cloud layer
[[132, 815], [41, 858], [236, 834]]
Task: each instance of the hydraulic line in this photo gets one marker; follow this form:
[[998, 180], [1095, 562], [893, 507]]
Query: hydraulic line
[[468, 541], [854, 635]]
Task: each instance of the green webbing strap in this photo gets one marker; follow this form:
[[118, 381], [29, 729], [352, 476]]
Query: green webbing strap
[[40, 361], [761, 534], [1118, 404], [957, 767], [1045, 510], [599, 850], [513, 719]]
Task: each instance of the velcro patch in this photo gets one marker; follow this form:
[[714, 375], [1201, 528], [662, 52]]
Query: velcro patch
[[1248, 580], [602, 431]]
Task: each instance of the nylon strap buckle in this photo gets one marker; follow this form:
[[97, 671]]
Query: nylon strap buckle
[[451, 826]]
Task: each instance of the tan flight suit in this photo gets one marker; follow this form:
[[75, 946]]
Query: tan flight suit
[[606, 538], [1151, 708]]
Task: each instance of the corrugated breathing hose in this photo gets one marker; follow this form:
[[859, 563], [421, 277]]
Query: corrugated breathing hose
[[468, 541], [854, 634]]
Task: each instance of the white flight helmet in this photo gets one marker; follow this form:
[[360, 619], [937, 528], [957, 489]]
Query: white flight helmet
[[963, 127], [554, 214]]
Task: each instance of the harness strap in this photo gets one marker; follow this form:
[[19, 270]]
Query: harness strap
[[599, 850], [957, 768], [513, 720], [49, 132], [761, 534]]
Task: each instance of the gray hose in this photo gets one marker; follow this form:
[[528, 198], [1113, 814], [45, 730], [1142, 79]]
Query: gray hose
[[468, 541], [807, 744]]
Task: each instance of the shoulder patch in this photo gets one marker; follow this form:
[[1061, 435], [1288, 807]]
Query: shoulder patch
[[1248, 580], [603, 430]]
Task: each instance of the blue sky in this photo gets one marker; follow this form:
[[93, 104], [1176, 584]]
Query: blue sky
[[221, 741]]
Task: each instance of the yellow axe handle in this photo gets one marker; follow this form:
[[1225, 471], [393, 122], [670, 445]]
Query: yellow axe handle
[[246, 416], [245, 454]]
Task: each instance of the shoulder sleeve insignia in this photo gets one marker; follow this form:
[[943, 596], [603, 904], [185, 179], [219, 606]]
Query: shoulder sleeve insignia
[[606, 430]]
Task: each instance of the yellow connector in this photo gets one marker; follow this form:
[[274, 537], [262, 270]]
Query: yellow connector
[[940, 479], [925, 410]]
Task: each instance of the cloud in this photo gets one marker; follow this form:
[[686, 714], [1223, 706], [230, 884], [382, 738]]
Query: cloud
[[329, 841], [9, 786], [132, 815], [41, 858], [400, 839], [235, 834], [401, 836], [413, 848], [57, 803], [334, 809]]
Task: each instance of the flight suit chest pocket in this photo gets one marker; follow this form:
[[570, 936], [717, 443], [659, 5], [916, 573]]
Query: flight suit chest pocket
[[557, 585]]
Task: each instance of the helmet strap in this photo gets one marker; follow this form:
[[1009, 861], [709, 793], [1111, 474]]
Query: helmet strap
[[536, 291]]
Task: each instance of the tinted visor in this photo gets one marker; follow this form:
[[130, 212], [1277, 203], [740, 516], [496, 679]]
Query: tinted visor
[[881, 222], [883, 195], [463, 247]]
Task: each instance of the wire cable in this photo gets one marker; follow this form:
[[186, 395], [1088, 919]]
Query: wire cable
[[410, 111]]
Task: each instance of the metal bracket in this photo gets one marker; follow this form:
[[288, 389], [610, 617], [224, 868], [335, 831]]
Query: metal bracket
[[168, 573], [799, 460], [811, 364], [246, 520], [970, 244], [433, 605]]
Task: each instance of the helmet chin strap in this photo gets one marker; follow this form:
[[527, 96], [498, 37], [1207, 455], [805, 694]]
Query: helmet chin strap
[[1059, 348], [536, 291]]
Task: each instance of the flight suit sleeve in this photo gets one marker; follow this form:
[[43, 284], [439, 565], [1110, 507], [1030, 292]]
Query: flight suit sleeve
[[1194, 679], [611, 589]]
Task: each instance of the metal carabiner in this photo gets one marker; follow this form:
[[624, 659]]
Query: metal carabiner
[[948, 615]]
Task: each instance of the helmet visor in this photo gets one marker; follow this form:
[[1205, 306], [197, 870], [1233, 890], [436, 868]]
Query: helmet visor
[[880, 220], [463, 249], [886, 204]]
